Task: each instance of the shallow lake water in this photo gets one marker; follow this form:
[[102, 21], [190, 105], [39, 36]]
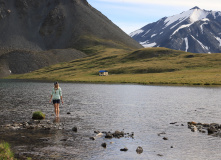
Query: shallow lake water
[[144, 110]]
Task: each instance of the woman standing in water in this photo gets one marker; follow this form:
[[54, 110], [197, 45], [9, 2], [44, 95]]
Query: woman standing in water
[[56, 96]]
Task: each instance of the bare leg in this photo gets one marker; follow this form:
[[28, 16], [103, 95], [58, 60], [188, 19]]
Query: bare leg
[[58, 110], [55, 109]]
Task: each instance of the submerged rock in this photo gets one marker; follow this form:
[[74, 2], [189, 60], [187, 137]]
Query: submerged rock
[[96, 132], [109, 135], [104, 145], [165, 138], [34, 124], [74, 129], [92, 138], [139, 150], [193, 128], [99, 135], [159, 134], [211, 129], [124, 149], [118, 134]]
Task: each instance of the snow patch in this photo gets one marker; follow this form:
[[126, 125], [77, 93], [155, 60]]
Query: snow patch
[[203, 46], [201, 26], [187, 45], [153, 35], [215, 14], [193, 15], [219, 40], [139, 31], [183, 26], [146, 44], [198, 14], [205, 19], [146, 33], [179, 17], [176, 25]]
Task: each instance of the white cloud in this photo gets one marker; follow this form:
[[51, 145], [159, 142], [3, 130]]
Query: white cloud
[[130, 27]]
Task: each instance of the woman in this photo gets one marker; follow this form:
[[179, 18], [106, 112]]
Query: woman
[[56, 96]]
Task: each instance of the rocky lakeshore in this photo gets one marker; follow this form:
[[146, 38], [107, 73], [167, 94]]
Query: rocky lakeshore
[[102, 139], [36, 126], [100, 136], [209, 128]]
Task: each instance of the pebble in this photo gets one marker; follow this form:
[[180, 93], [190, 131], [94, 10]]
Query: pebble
[[139, 150], [92, 138], [159, 134], [96, 132], [124, 149], [74, 129], [104, 145], [165, 138]]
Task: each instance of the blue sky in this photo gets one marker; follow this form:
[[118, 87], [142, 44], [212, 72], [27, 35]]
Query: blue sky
[[131, 15]]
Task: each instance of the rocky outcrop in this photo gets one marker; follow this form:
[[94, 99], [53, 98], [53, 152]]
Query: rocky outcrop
[[139, 150], [31, 26], [57, 24], [211, 129]]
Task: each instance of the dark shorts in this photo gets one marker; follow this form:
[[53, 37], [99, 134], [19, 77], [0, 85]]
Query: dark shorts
[[56, 101]]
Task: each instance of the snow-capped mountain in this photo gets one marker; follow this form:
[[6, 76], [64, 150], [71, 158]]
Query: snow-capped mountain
[[195, 30]]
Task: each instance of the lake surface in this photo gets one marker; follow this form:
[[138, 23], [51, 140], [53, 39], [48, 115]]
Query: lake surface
[[144, 110]]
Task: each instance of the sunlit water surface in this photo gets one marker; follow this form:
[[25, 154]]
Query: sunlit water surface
[[144, 110]]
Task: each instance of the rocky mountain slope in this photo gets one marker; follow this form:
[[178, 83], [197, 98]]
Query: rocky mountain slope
[[195, 30], [29, 27]]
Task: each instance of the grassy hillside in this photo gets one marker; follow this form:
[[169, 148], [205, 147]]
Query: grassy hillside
[[143, 66]]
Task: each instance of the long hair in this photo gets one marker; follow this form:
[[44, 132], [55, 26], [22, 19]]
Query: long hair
[[56, 86]]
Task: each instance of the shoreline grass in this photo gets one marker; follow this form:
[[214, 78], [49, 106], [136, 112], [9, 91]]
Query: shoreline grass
[[151, 66], [5, 152], [207, 77]]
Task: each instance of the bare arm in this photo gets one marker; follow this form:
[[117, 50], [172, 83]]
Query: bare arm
[[50, 99], [62, 100]]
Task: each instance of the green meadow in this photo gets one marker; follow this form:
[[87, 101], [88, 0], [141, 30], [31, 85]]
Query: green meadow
[[143, 66]]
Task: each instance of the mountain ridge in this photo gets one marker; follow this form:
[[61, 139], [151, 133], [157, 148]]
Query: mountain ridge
[[195, 30]]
